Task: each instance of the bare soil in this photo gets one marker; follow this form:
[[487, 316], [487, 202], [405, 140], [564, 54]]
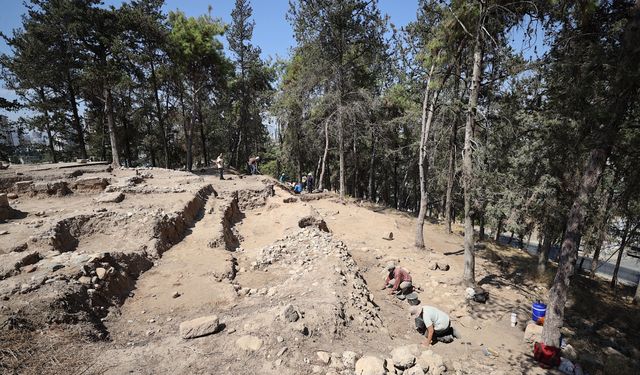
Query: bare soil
[[181, 246]]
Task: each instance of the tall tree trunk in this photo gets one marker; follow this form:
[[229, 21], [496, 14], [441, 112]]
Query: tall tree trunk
[[77, 126], [452, 154], [341, 151], [626, 234], [47, 125], [636, 297], [467, 167], [543, 254], [203, 139], [372, 160], [127, 136], [355, 168], [569, 251], [498, 230], [602, 229], [427, 117], [163, 129], [108, 108], [324, 156]]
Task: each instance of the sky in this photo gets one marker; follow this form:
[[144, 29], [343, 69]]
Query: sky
[[272, 32]]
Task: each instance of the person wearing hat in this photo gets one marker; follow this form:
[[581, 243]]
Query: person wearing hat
[[433, 323], [398, 279], [253, 165]]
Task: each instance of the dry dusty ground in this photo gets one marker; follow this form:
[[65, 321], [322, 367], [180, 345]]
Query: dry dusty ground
[[102, 288]]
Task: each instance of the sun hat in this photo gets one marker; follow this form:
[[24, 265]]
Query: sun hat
[[390, 266], [415, 311]]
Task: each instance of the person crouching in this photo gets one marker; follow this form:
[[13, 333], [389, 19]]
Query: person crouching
[[433, 323], [398, 279]]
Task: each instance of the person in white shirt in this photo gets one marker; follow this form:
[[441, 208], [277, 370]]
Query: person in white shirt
[[433, 323], [220, 165]]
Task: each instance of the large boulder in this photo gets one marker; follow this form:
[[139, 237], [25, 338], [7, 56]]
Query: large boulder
[[371, 365], [313, 220], [431, 363], [404, 356], [533, 332], [91, 183], [203, 326]]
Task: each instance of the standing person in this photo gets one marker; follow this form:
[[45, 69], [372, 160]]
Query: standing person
[[253, 165], [310, 183], [220, 165], [304, 182], [433, 323]]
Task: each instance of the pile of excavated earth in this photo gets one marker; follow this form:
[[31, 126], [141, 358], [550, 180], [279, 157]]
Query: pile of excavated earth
[[156, 271]]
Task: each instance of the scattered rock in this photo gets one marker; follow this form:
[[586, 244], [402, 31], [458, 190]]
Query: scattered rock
[[349, 359], [570, 353], [101, 273], [404, 357], [370, 365], [282, 351], [176, 294], [248, 342], [324, 357], [415, 370], [86, 280], [12, 196], [290, 200], [431, 363], [313, 219], [203, 326], [280, 339], [290, 313], [115, 197]]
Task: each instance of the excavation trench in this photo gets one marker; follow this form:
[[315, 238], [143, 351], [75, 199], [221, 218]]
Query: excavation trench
[[69, 285]]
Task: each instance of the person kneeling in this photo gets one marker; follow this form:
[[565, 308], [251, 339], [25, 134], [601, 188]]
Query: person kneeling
[[433, 323]]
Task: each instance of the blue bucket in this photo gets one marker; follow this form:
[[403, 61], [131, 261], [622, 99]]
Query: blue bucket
[[538, 310]]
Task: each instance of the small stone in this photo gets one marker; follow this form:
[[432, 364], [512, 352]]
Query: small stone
[[324, 357], [278, 361], [415, 370], [30, 268], [250, 343], [86, 280], [290, 313], [101, 273], [316, 369], [12, 196], [282, 351], [280, 339], [199, 327], [176, 294]]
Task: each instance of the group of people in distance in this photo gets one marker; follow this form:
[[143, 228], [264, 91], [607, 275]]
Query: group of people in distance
[[431, 322], [252, 165], [305, 183]]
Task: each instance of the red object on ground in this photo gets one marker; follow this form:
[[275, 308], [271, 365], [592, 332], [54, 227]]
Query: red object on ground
[[547, 356]]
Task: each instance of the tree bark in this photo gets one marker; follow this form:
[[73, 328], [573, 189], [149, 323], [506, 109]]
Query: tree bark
[[452, 154], [324, 156], [626, 234], [108, 103], [602, 229], [372, 159], [76, 117], [427, 116], [47, 125], [203, 139], [543, 254], [569, 252], [467, 167], [163, 129]]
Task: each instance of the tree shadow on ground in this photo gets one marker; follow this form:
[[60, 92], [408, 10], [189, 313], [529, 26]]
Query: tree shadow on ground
[[597, 317]]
